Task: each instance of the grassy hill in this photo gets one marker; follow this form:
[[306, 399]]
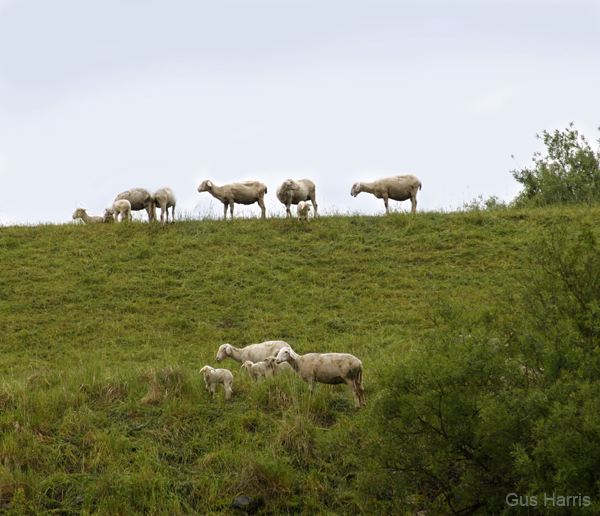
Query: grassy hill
[[104, 328]]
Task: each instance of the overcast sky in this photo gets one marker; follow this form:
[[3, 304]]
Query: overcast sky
[[97, 97]]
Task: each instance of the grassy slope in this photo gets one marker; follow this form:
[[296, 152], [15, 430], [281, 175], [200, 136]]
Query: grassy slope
[[104, 329]]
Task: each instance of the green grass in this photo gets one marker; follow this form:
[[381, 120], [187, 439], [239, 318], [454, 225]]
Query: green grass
[[103, 330]]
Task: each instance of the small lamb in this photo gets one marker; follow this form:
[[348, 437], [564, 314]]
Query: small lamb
[[80, 213], [277, 368], [121, 207], [302, 211], [214, 376], [258, 370]]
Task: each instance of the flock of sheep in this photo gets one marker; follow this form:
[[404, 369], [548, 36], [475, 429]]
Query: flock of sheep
[[274, 356], [298, 192]]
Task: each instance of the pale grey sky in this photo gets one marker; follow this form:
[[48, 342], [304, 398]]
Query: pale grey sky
[[98, 97]]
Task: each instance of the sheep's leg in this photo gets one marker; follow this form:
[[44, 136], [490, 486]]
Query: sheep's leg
[[314, 203], [413, 201], [288, 211], [385, 200], [263, 210], [231, 209], [225, 210]]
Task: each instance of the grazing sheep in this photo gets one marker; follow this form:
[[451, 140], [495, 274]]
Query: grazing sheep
[[258, 370], [80, 213], [140, 199], [329, 368], [253, 352], [246, 192], [277, 368], [292, 192], [213, 376], [398, 188], [121, 207], [164, 198], [302, 211]]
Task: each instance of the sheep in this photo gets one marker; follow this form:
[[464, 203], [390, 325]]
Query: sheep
[[80, 213], [121, 207], [398, 188], [214, 376], [258, 370], [277, 368], [253, 352], [329, 368], [302, 211], [246, 192], [292, 192], [164, 198], [140, 199]]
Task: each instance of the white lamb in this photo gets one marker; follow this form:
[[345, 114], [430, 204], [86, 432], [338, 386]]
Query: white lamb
[[213, 376], [253, 352], [164, 198], [258, 370], [245, 192], [329, 368], [302, 211], [277, 368], [398, 188], [121, 207], [293, 191], [80, 213]]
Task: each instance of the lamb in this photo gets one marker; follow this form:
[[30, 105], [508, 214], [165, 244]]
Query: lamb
[[329, 368], [140, 199], [302, 211], [165, 199], [398, 188], [246, 192], [293, 192], [80, 213], [277, 368], [121, 207], [258, 370], [253, 352], [213, 376]]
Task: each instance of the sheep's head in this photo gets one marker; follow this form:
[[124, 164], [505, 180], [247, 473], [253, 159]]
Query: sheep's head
[[79, 213], [224, 351], [247, 364], [355, 189], [283, 356], [108, 216], [290, 184], [205, 186], [271, 361]]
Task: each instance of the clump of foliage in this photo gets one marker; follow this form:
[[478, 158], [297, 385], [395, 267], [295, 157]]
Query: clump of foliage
[[504, 401], [569, 173]]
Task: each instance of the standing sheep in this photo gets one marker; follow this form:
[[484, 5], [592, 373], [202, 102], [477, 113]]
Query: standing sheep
[[292, 192], [80, 213], [258, 370], [213, 376], [329, 368], [398, 188], [140, 199], [246, 192], [302, 211], [122, 207], [164, 198], [253, 352]]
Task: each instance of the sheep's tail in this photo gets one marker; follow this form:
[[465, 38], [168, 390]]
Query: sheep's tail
[[420, 185]]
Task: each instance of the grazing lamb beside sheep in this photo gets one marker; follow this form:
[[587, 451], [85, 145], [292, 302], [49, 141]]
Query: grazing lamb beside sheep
[[164, 198], [293, 192], [258, 370], [302, 211], [121, 207], [398, 188], [213, 376], [80, 213], [253, 352], [277, 368], [329, 368], [246, 192], [140, 199]]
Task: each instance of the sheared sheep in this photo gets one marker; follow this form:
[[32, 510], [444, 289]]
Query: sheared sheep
[[277, 368], [398, 188], [121, 207], [213, 376], [164, 198], [329, 368], [253, 352], [293, 191], [246, 192], [302, 211], [80, 213], [140, 199], [258, 370]]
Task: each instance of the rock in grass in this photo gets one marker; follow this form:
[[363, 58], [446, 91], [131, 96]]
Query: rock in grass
[[245, 504]]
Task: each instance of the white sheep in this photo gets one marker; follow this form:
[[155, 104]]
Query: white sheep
[[246, 192], [258, 370], [253, 352], [140, 199], [121, 207], [302, 211], [329, 368], [80, 213], [277, 368], [294, 191], [213, 376], [398, 188], [164, 198]]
